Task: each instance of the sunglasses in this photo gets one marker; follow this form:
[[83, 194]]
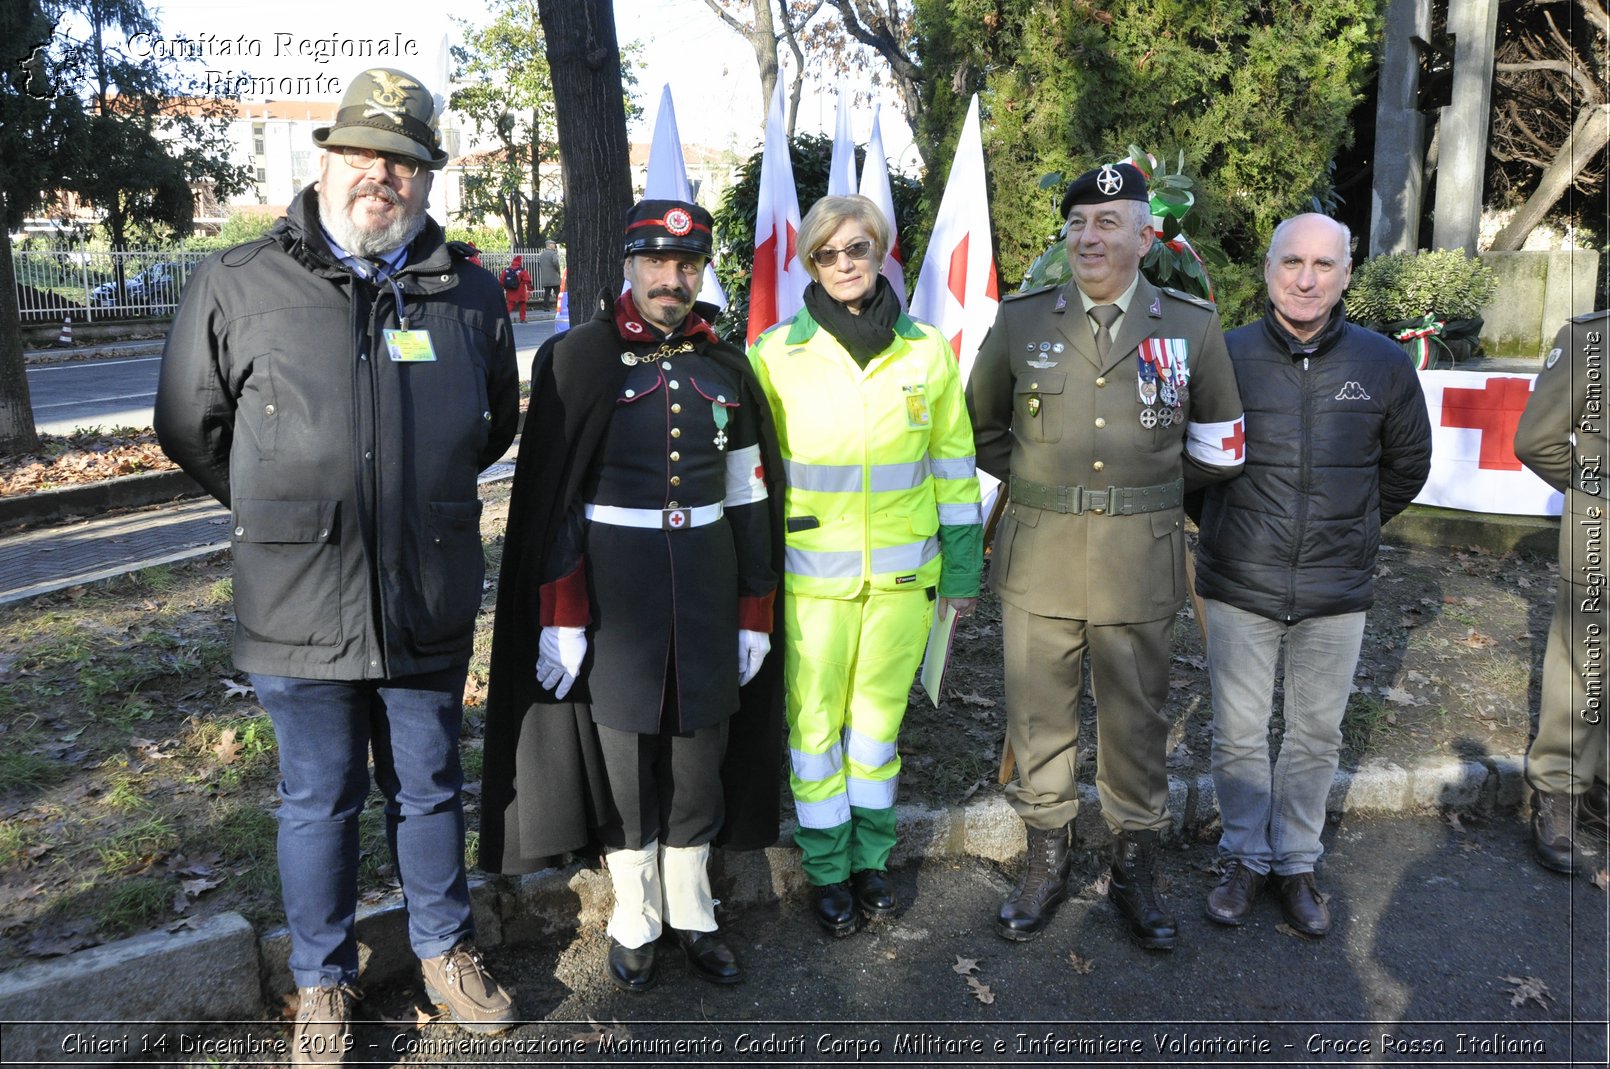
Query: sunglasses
[[361, 159], [856, 250]]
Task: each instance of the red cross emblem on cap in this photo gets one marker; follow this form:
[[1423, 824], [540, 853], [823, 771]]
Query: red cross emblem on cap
[[678, 221], [676, 519]]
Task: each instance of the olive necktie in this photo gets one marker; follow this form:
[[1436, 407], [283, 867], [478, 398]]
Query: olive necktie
[[1105, 316]]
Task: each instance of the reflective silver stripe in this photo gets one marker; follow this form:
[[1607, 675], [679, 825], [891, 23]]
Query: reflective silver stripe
[[744, 487], [826, 478], [872, 793], [828, 813], [953, 467], [886, 477], [956, 515], [822, 564], [905, 558], [816, 766], [866, 751]]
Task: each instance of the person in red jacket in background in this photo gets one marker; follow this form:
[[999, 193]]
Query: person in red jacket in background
[[516, 286]]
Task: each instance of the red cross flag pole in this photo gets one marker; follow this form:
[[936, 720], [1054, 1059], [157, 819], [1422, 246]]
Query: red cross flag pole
[[777, 282]]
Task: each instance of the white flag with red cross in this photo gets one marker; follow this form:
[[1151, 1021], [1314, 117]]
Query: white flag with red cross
[[876, 188], [1473, 464], [957, 290], [778, 279], [667, 179]]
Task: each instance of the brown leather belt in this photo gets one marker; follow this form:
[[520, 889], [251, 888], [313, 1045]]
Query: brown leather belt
[[1112, 501]]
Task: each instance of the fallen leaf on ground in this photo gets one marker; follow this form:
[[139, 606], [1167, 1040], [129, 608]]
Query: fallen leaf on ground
[[965, 965], [1398, 695], [1478, 641], [226, 748], [972, 697], [233, 689], [1080, 965], [981, 990], [1528, 989], [1601, 880], [1452, 817], [199, 886]]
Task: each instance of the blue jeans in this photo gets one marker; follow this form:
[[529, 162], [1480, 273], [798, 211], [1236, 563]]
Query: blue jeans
[[325, 730], [1273, 818]]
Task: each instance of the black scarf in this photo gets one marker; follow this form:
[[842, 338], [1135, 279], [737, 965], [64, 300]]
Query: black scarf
[[863, 336]]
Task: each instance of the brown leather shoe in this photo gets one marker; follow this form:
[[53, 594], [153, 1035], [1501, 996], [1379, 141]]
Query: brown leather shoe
[[1304, 907], [1132, 887], [1231, 901], [1553, 832], [459, 984], [322, 1034], [1040, 886]]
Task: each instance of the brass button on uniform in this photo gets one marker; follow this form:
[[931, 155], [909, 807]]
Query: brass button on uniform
[[1101, 421], [675, 455], [676, 432], [1101, 380], [676, 409], [672, 505], [676, 480], [1098, 465]]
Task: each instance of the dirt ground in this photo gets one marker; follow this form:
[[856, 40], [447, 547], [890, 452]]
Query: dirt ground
[[137, 772]]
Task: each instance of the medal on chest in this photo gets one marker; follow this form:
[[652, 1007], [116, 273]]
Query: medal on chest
[[719, 414]]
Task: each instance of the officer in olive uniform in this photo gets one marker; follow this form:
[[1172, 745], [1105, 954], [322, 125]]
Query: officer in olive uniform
[[641, 567], [1562, 438], [1098, 403]]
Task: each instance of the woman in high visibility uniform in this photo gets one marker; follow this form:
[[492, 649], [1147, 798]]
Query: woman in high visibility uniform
[[883, 518]]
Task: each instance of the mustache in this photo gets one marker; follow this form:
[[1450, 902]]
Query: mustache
[[674, 292], [373, 189]]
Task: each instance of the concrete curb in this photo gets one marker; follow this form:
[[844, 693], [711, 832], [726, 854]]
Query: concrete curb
[[132, 491], [224, 971]]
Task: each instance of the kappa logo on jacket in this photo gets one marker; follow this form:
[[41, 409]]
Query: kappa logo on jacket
[[1352, 391]]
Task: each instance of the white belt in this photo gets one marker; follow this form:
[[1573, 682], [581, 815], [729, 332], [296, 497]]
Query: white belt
[[663, 519]]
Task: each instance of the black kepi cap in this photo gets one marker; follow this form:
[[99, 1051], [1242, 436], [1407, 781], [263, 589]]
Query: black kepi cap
[[673, 225], [1110, 181]]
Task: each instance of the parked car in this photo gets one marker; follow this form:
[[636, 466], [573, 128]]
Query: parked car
[[158, 284]]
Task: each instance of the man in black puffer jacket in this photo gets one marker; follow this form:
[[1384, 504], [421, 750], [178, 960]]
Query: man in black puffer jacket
[[1338, 442]]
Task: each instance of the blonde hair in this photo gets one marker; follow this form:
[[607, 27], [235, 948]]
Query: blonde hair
[[830, 213]]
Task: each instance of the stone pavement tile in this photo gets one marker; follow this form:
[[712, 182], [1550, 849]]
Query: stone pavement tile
[[52, 557]]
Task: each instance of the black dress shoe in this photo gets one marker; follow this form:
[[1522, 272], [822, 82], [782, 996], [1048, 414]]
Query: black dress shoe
[[834, 907], [1304, 907], [1231, 901], [631, 968], [1040, 886], [709, 957], [874, 892], [1132, 887]]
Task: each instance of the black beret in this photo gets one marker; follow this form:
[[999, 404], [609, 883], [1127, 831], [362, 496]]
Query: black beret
[[1110, 181], [669, 224]]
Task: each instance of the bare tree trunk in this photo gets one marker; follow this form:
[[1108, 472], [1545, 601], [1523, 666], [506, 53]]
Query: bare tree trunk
[[1588, 138], [17, 431], [584, 57], [762, 37]]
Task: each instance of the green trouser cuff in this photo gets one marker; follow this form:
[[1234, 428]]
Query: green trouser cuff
[[872, 838], [825, 853]]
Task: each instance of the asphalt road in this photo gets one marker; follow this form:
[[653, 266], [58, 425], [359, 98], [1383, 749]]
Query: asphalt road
[[118, 390], [1450, 948]]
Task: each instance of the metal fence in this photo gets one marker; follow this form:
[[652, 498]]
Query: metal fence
[[89, 284]]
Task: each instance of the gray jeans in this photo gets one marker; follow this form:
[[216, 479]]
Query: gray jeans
[[1272, 817]]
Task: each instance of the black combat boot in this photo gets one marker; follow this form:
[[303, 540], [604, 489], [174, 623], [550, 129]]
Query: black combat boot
[[1042, 884], [1133, 890]]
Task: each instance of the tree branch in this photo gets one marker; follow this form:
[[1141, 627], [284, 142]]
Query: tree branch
[[721, 13], [1590, 89]]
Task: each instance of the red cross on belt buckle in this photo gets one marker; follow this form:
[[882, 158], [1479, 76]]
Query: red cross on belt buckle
[[676, 519]]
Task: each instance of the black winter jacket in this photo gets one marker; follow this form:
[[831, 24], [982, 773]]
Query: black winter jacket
[[350, 477], [1338, 442]]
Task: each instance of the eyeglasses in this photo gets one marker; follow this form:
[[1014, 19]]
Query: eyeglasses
[[855, 250], [361, 159]]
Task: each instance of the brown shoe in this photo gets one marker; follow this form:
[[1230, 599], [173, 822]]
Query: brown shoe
[[1553, 832], [457, 982], [1302, 904], [1231, 901], [322, 1034]]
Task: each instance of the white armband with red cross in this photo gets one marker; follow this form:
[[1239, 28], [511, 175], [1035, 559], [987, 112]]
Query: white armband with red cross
[[1219, 445], [746, 478]]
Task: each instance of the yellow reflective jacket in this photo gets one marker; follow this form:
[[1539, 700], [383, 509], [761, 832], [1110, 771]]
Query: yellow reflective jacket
[[881, 487]]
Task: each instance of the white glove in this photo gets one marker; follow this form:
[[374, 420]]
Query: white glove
[[752, 649], [559, 655]]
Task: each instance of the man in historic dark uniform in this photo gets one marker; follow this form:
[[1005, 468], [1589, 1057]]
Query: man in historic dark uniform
[[638, 578], [1098, 403]]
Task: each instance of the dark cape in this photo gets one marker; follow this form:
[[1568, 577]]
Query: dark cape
[[543, 791]]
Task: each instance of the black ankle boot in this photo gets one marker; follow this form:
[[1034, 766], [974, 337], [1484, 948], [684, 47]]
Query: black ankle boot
[[1042, 884], [1133, 889], [874, 892], [834, 908]]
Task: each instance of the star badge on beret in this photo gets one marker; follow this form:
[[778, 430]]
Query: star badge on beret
[[1110, 180]]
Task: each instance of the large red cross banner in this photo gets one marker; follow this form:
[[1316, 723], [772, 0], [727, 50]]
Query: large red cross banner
[[1473, 462]]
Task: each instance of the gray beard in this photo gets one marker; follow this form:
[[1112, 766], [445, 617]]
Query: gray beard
[[337, 219]]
